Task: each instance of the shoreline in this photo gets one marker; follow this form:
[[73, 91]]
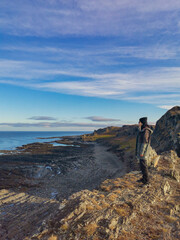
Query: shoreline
[[30, 184], [30, 166]]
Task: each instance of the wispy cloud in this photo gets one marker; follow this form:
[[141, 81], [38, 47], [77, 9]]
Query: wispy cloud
[[153, 51], [146, 72], [151, 85], [52, 124], [102, 119], [95, 17], [42, 118]]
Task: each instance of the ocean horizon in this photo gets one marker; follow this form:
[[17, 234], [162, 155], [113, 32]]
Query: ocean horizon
[[9, 140]]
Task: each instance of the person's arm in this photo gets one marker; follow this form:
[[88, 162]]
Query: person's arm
[[145, 143]]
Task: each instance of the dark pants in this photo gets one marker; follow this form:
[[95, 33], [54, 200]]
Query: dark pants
[[144, 170]]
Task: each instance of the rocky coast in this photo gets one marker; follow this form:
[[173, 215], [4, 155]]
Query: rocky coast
[[85, 187], [47, 173]]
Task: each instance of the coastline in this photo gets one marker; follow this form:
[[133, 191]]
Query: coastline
[[31, 166], [47, 174]]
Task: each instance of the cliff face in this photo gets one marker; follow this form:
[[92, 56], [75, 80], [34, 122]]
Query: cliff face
[[166, 135]]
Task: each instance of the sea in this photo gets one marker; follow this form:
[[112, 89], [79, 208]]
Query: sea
[[10, 140]]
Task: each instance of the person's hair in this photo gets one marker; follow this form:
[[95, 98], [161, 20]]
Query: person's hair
[[144, 125]]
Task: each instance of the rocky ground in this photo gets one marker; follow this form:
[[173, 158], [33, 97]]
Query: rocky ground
[[35, 180], [122, 208]]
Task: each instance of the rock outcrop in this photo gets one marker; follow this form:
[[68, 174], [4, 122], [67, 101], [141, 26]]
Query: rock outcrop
[[166, 135]]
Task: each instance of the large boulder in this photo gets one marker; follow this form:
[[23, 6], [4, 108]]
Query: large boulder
[[166, 135]]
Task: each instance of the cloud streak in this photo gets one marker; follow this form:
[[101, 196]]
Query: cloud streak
[[141, 71], [96, 17], [152, 85], [42, 118], [102, 119], [52, 125]]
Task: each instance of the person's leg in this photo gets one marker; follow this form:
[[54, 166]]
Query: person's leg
[[144, 170]]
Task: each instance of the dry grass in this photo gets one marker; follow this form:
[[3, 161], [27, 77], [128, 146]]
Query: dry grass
[[96, 204], [121, 211], [65, 226], [101, 196], [90, 228], [53, 237], [89, 207], [170, 219], [105, 205], [117, 191], [126, 236], [95, 137], [106, 188], [112, 196]]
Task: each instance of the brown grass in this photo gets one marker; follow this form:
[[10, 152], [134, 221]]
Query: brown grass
[[112, 196], [90, 228], [53, 237], [117, 191], [65, 226], [170, 219]]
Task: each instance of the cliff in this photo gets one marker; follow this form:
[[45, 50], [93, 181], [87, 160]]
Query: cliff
[[122, 208]]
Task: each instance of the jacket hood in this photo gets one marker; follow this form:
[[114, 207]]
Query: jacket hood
[[148, 128]]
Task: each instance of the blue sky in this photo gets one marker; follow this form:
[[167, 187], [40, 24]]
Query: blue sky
[[82, 65]]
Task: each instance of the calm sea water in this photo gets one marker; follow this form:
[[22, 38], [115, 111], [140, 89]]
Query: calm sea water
[[11, 140]]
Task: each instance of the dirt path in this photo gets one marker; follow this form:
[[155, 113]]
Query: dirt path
[[108, 160]]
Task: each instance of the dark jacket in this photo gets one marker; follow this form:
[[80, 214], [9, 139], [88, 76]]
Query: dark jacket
[[143, 142]]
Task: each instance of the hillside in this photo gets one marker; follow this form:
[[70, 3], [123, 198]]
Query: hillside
[[122, 208]]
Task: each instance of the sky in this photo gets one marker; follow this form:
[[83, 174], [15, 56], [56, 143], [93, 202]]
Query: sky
[[71, 65]]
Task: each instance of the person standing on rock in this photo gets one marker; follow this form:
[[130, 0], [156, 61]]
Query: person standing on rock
[[142, 148]]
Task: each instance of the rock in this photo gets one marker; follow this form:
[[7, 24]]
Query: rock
[[175, 174], [166, 188], [166, 135]]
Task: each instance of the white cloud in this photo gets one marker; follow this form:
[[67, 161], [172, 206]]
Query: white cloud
[[166, 106], [153, 85]]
